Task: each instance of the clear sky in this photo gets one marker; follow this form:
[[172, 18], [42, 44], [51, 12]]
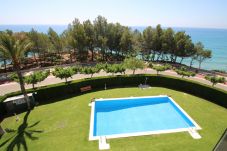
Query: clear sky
[[174, 13]]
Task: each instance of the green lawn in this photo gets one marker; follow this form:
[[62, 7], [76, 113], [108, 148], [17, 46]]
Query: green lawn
[[64, 125]]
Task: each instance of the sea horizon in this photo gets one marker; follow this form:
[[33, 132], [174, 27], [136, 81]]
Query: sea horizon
[[212, 38]]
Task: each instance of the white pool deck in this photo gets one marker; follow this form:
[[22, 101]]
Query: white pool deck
[[191, 130]]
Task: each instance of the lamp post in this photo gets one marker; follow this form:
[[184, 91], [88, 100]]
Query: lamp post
[[105, 86], [145, 81], [2, 131]]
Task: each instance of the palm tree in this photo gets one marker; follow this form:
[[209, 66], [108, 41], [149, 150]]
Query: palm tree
[[14, 46], [2, 131]]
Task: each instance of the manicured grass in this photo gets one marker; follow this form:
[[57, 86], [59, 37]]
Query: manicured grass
[[64, 125]]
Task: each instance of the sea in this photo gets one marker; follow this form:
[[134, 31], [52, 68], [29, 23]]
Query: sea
[[213, 39]]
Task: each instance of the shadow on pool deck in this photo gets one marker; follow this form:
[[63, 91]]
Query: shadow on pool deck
[[18, 139]]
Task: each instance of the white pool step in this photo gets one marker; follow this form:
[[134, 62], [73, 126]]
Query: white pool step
[[102, 143], [194, 134]]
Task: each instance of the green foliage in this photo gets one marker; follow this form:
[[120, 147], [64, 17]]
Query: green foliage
[[215, 79], [201, 54], [127, 43], [168, 42], [168, 66], [56, 91], [148, 40], [150, 65], [221, 71], [160, 68], [133, 64], [63, 73], [213, 94], [104, 41], [90, 70], [14, 77], [77, 69], [55, 40], [184, 45], [101, 66], [34, 78], [184, 72], [37, 76], [115, 68]]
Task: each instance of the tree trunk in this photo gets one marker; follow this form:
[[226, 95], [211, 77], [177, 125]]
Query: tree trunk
[[103, 55], [21, 81], [4, 65], [153, 56], [162, 57], [158, 57], [171, 58], [175, 59], [181, 60], [38, 61], [59, 53], [70, 56], [66, 80], [92, 55], [2, 131], [44, 58], [35, 59], [200, 65], [166, 58], [134, 71], [33, 86], [191, 63], [74, 49]]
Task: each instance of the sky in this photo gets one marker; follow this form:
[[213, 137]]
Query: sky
[[168, 13]]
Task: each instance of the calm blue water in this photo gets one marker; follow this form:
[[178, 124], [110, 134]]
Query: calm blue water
[[137, 115], [214, 39]]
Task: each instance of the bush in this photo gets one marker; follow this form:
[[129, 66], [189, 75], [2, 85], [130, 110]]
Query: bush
[[37, 76], [214, 79], [90, 70], [213, 94], [14, 77], [64, 73], [57, 91], [133, 64], [168, 66], [159, 68], [115, 68], [77, 69], [184, 72]]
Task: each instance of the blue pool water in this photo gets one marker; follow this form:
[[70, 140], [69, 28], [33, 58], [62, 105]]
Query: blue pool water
[[137, 115]]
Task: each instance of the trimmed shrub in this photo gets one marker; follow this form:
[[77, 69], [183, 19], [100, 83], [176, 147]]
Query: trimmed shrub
[[159, 68], [184, 72], [215, 79], [58, 91], [64, 73], [207, 92]]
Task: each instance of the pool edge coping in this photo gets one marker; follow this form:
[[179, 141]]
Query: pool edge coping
[[91, 137]]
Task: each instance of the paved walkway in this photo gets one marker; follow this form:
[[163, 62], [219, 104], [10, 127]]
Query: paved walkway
[[13, 86]]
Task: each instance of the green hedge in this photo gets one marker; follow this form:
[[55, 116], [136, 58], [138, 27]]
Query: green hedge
[[57, 91], [61, 90]]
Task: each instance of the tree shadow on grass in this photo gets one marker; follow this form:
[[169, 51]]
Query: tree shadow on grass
[[18, 140]]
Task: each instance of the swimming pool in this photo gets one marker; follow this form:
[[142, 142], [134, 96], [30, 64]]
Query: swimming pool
[[134, 116]]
